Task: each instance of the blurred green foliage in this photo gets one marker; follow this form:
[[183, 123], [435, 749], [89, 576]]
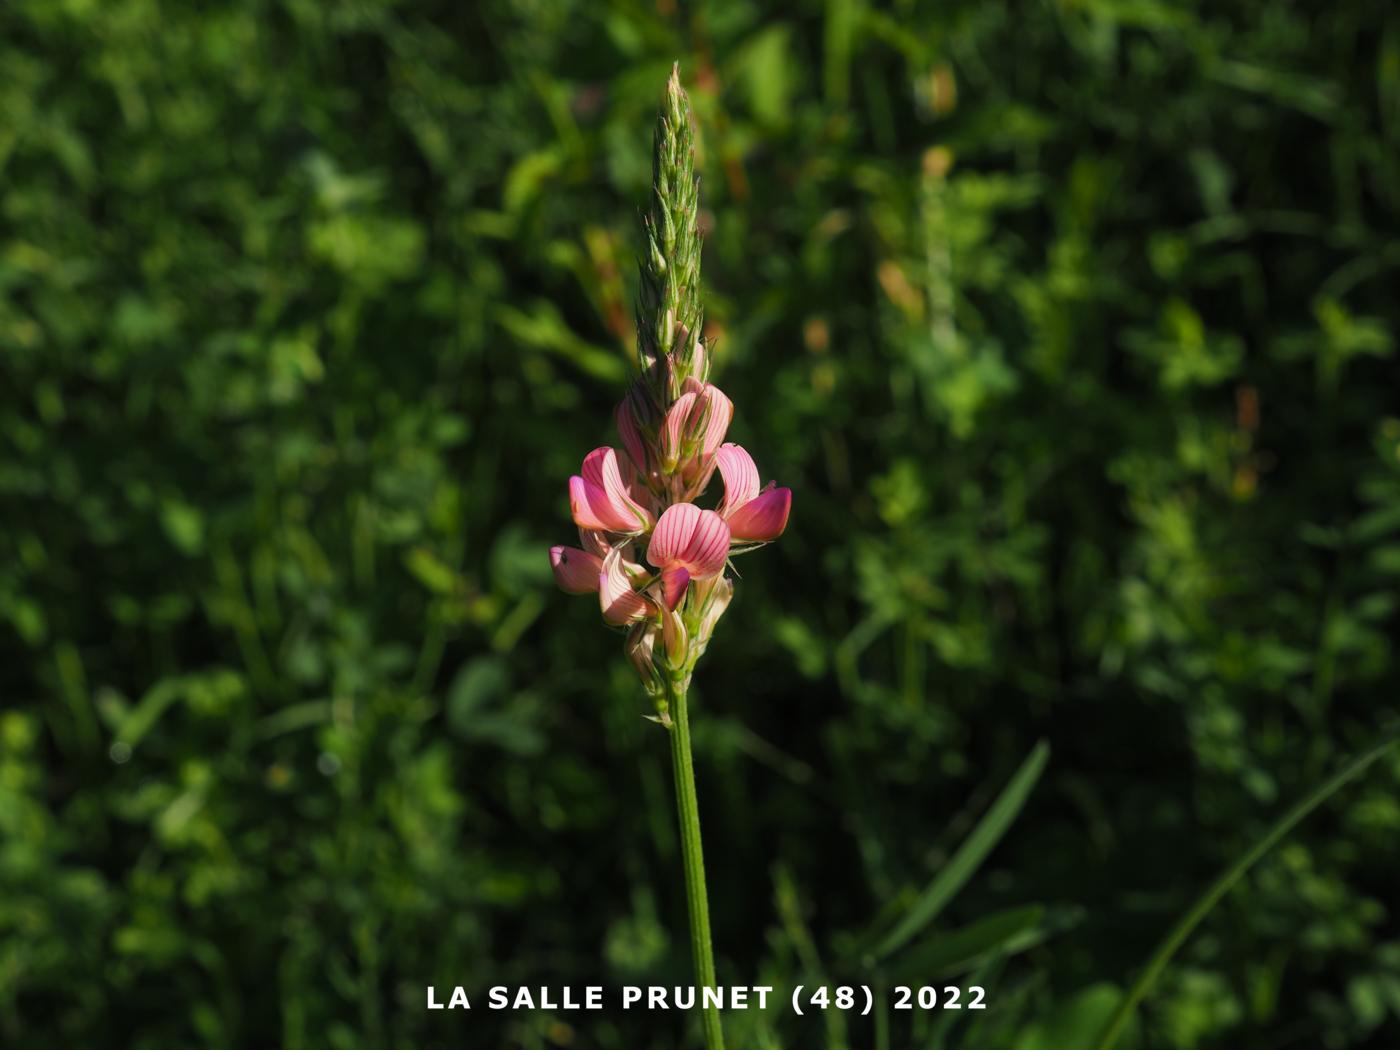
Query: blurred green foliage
[[1070, 324]]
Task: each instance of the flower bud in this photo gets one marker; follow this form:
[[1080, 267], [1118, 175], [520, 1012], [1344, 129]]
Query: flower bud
[[641, 646], [675, 639], [716, 598], [694, 430]]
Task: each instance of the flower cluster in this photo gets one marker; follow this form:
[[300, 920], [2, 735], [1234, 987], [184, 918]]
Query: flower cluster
[[656, 558]]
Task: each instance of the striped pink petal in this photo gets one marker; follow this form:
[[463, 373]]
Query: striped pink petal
[[719, 414], [591, 509], [594, 542], [740, 476], [762, 518], [599, 499], [575, 571], [672, 533], [631, 435], [696, 422], [619, 602], [675, 429], [690, 538]]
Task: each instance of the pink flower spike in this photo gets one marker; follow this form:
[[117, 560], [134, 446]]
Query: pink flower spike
[[762, 518], [740, 476], [600, 500], [690, 538], [619, 602], [575, 571]]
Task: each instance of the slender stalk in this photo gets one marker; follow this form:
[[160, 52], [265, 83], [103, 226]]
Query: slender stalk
[[693, 858], [1188, 922]]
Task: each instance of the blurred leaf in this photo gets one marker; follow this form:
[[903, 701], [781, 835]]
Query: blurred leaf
[[947, 954], [970, 855]]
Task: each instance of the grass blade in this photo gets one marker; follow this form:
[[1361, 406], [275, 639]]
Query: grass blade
[[960, 950], [1174, 940], [970, 855]]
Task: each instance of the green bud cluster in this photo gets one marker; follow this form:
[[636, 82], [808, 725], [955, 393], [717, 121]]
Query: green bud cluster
[[668, 309]]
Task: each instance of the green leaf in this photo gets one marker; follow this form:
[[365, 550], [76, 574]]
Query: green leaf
[[544, 328], [970, 854], [1072, 1024], [432, 571], [1208, 900], [476, 686], [957, 951], [184, 525]]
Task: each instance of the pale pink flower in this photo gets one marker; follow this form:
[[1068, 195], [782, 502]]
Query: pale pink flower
[[694, 428], [631, 435], [620, 601], [688, 543], [576, 571], [752, 513], [600, 499]]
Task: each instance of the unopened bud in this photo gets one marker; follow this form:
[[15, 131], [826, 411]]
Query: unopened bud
[[675, 639], [713, 603], [641, 645]]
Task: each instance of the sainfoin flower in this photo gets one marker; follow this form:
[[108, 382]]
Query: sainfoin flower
[[654, 556], [655, 535], [652, 545]]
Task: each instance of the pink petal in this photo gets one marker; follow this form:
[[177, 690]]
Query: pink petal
[[672, 533], [689, 537], [708, 548], [720, 413], [589, 506], [575, 571], [673, 585], [631, 435], [619, 602], [740, 475], [762, 518], [617, 507], [674, 430], [594, 542]]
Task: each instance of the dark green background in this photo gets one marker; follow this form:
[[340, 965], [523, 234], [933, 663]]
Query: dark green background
[[307, 311]]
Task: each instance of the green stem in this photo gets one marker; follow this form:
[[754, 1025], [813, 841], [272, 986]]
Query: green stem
[[1222, 885], [693, 858]]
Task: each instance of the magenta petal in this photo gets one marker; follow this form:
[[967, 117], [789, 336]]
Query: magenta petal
[[762, 518], [575, 571], [673, 585]]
